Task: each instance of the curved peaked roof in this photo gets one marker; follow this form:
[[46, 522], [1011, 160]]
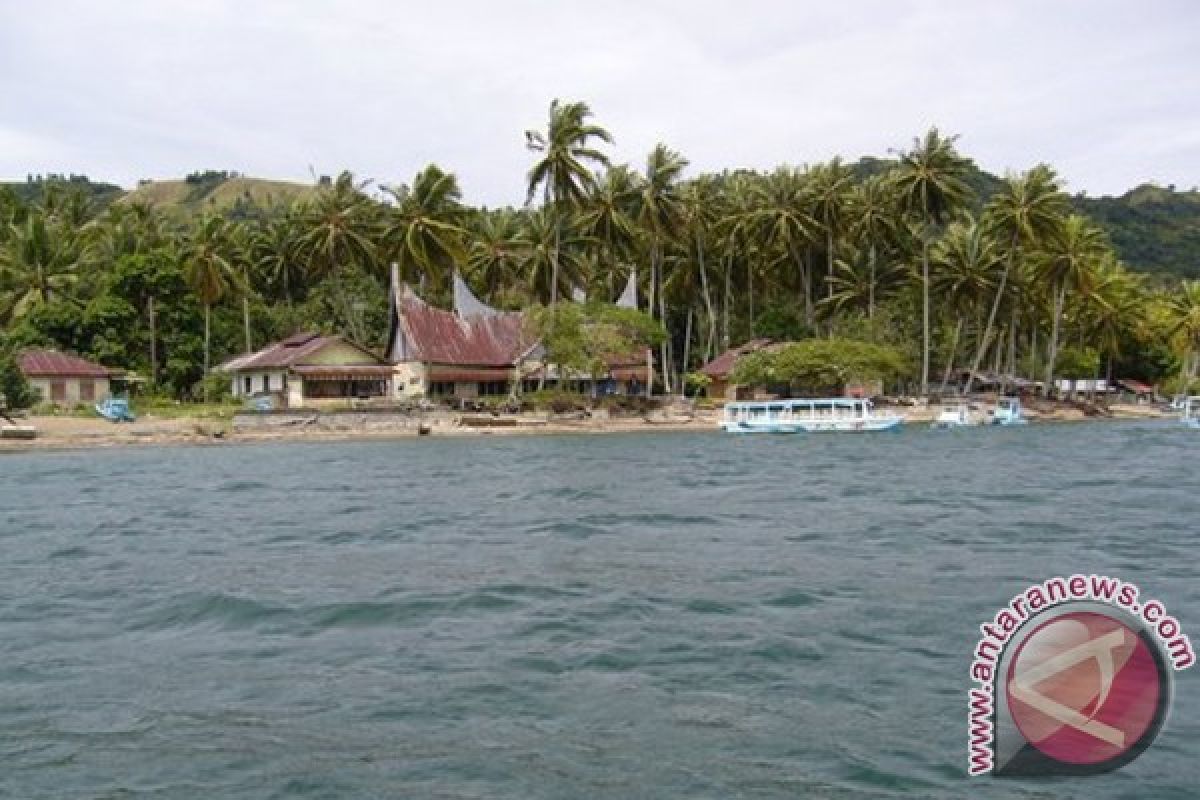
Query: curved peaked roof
[[52, 363], [484, 339], [628, 298], [466, 304]]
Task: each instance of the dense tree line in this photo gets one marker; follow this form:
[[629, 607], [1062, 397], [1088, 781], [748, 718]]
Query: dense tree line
[[914, 253]]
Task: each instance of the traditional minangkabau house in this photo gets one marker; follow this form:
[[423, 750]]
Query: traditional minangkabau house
[[720, 369], [308, 369], [476, 350], [66, 380]]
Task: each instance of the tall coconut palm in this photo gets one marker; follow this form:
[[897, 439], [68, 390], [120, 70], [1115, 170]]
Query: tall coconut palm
[[339, 229], [966, 264], [701, 203], [830, 187], [929, 183], [553, 250], [497, 249], [273, 251], [209, 272], [780, 220], [40, 261], [659, 211], [1027, 211], [1068, 261], [564, 170], [873, 225], [1183, 315], [424, 231], [607, 217]]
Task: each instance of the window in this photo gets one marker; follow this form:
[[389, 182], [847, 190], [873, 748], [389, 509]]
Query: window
[[441, 388], [493, 388], [285, 381], [266, 383], [246, 385], [58, 391], [87, 391]]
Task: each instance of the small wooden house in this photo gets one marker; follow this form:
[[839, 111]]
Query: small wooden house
[[66, 380], [307, 369]]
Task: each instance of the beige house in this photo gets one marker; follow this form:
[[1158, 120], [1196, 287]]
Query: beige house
[[307, 370], [66, 380]]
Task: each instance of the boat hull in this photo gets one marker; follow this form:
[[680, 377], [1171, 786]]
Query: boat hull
[[872, 425]]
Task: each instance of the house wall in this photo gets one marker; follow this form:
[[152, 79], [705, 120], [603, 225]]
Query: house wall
[[409, 380], [274, 382], [73, 393], [339, 353]]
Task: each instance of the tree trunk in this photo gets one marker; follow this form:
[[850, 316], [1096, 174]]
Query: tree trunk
[[728, 301], [871, 286], [1059, 298], [953, 353], [246, 311], [925, 312], [207, 340], [687, 346], [708, 304], [153, 340], [987, 331]]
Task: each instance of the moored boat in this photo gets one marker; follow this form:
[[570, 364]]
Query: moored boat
[[808, 415], [957, 417], [115, 409], [1008, 412], [1190, 416]]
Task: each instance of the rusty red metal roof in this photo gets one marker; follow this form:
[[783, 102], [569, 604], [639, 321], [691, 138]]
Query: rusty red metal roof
[[288, 353], [722, 365], [51, 363], [443, 337]]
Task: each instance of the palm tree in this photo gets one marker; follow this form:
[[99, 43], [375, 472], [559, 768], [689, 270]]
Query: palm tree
[[873, 224], [830, 186], [273, 251], [564, 171], [780, 221], [1067, 262], [607, 217], [553, 250], [209, 272], [1026, 211], [41, 260], [1183, 314], [965, 260], [338, 230], [497, 250], [424, 233], [659, 212], [929, 182]]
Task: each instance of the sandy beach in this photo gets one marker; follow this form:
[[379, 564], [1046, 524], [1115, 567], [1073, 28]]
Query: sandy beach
[[67, 432]]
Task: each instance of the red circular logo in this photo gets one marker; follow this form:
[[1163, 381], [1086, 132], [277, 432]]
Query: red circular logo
[[1085, 688]]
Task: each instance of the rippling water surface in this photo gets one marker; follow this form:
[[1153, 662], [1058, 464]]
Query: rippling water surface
[[690, 615]]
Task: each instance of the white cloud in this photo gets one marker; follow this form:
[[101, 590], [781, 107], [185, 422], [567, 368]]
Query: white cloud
[[148, 88]]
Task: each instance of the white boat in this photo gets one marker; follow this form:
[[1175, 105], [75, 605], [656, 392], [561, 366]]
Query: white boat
[[1008, 412], [957, 417], [1191, 412], [807, 415]]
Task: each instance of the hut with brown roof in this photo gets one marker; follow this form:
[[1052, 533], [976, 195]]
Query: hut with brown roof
[[66, 380], [308, 369], [720, 369]]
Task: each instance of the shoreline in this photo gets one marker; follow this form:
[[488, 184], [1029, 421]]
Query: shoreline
[[76, 433]]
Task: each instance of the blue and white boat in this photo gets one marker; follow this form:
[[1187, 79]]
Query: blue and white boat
[[808, 415], [1008, 412], [115, 409], [1191, 412]]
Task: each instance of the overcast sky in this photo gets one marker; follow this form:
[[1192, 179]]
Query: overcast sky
[[1108, 92]]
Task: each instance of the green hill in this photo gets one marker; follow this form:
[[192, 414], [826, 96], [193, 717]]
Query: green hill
[[1154, 229], [216, 191]]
